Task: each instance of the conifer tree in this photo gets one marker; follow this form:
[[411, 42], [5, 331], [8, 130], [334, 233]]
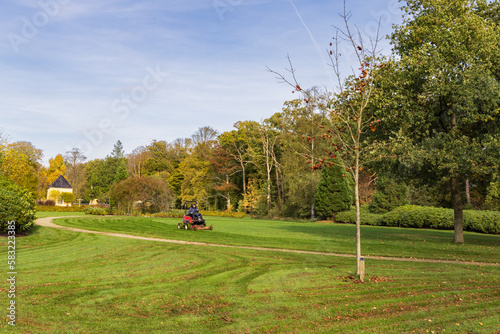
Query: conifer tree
[[335, 191]]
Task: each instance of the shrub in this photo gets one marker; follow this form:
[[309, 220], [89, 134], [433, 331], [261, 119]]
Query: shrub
[[67, 197], [438, 218], [16, 204], [388, 196], [153, 194], [45, 208], [367, 218], [482, 221], [98, 211], [48, 202]]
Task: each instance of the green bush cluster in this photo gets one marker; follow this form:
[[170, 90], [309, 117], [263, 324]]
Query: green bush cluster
[[16, 204], [349, 217], [169, 214], [415, 216], [46, 208], [223, 214], [419, 217], [98, 211], [482, 221]]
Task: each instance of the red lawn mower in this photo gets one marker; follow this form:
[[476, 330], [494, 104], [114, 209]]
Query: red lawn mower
[[193, 220]]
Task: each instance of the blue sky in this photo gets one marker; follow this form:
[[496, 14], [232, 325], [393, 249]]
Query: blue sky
[[88, 73]]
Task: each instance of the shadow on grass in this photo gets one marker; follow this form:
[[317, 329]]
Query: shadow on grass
[[383, 233]]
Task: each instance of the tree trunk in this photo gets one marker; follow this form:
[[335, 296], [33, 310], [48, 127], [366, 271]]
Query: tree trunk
[[458, 209], [359, 272], [467, 190], [312, 212]]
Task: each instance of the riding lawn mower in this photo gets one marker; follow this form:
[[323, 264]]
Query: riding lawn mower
[[192, 221]]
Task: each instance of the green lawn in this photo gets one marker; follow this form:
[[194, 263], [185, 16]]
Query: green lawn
[[70, 282], [322, 237]]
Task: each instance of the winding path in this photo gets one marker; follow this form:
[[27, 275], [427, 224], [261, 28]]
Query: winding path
[[47, 222]]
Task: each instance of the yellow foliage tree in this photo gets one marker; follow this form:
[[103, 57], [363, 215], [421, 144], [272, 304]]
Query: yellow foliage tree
[[56, 168]]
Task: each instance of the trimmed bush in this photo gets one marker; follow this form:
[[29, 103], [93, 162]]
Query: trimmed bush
[[45, 208], [98, 211], [414, 216], [349, 217], [482, 221], [16, 204], [438, 218]]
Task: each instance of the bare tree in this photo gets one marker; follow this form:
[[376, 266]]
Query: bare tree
[[136, 160], [74, 160], [347, 107]]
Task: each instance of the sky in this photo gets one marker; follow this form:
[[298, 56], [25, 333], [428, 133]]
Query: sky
[[85, 74]]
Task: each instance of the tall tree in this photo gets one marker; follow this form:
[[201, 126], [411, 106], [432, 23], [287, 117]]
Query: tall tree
[[56, 167], [137, 160], [21, 164], [444, 92], [118, 151], [300, 138], [223, 168], [347, 107], [74, 160]]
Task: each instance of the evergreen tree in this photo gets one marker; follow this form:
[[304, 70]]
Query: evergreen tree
[[121, 170], [118, 151], [335, 191]]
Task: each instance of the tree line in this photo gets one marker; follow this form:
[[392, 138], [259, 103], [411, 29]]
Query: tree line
[[428, 135]]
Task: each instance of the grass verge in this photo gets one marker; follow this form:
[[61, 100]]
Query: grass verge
[[86, 283], [321, 237]]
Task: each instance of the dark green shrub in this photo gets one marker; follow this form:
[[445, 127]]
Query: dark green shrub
[[388, 196], [438, 218], [16, 204]]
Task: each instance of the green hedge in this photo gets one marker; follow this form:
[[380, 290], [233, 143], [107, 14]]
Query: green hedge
[[415, 216], [180, 214], [482, 221], [349, 217], [47, 208], [98, 211], [223, 214]]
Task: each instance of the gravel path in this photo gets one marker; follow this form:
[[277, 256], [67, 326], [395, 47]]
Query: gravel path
[[47, 222]]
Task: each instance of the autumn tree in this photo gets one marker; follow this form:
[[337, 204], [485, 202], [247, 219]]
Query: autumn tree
[[443, 92], [236, 145], [299, 133], [56, 167], [137, 160], [74, 160], [347, 107], [152, 194], [223, 169], [21, 163]]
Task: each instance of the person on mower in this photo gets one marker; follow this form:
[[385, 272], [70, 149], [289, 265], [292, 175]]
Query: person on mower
[[194, 213]]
